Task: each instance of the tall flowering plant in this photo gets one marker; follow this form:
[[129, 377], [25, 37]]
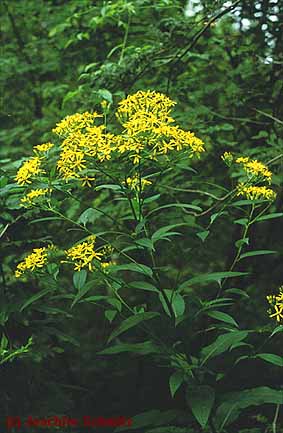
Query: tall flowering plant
[[134, 158]]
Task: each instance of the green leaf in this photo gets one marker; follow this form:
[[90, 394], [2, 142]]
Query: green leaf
[[105, 94], [175, 381], [241, 221], [181, 205], [130, 322], [223, 317], [247, 202], [86, 288], [143, 285], [79, 279], [201, 400], [146, 243], [133, 267], [214, 276], [240, 242], [278, 328], [273, 359], [176, 300], [256, 253], [222, 344], [4, 342], [203, 235], [89, 215], [36, 297], [39, 220], [151, 198], [230, 409], [139, 348], [165, 231], [115, 303], [110, 315], [111, 186], [270, 216], [238, 292], [216, 215]]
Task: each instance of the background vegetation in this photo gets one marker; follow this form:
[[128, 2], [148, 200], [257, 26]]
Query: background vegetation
[[222, 63]]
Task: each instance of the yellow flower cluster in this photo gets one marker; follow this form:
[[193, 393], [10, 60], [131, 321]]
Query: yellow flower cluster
[[43, 147], [74, 123], [83, 254], [29, 169], [256, 192], [276, 302], [36, 259], [228, 158], [155, 103], [147, 132], [79, 144], [255, 168], [148, 128], [134, 182], [255, 171], [31, 198]]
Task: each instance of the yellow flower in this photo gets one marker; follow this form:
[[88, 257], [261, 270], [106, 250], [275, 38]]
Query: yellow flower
[[228, 158], [29, 169], [145, 101], [31, 198], [83, 254], [276, 303], [43, 147], [255, 168], [86, 181], [256, 192], [36, 259], [70, 163], [75, 123], [148, 132], [134, 182]]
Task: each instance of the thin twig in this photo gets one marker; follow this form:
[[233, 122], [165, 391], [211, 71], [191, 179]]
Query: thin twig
[[176, 60]]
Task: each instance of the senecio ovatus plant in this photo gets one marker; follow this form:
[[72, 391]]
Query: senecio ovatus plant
[[133, 153]]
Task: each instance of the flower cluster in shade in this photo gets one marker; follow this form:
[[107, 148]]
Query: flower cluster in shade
[[135, 183], [148, 131], [256, 192], [256, 172], [255, 168], [32, 197], [34, 261], [28, 170], [83, 254], [276, 305]]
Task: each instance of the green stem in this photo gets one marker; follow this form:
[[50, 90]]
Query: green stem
[[125, 39]]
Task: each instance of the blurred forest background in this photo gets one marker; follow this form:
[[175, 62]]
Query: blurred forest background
[[222, 62]]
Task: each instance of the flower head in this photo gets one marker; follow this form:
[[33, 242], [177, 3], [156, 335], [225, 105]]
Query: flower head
[[276, 303], [228, 158], [83, 254], [135, 183], [145, 102], [256, 192], [31, 198], [75, 122], [255, 168], [43, 147], [29, 169], [36, 259]]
